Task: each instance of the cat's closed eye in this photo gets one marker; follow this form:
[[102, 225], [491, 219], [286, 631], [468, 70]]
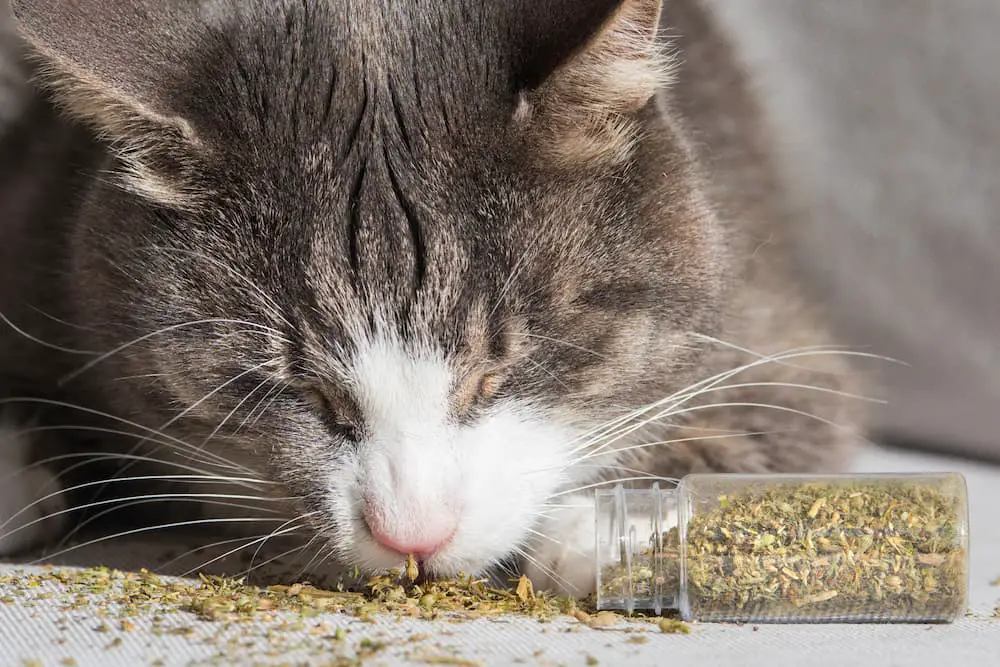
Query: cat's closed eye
[[338, 411], [476, 390], [489, 384]]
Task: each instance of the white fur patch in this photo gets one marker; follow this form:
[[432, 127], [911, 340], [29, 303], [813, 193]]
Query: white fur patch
[[28, 496], [426, 474], [563, 561]]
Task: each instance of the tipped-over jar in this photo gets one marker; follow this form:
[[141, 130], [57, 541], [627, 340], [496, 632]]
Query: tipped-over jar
[[787, 548]]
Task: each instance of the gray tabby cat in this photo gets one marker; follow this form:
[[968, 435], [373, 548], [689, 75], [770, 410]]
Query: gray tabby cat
[[415, 274]]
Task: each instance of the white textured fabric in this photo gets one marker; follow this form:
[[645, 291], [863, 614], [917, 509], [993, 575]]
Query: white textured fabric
[[48, 634]]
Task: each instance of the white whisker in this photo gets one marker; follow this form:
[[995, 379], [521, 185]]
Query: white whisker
[[147, 529], [189, 479], [272, 307], [159, 332], [239, 405], [317, 556], [300, 518], [98, 413], [681, 396], [39, 341], [561, 342], [546, 570], [170, 422], [271, 396], [620, 480], [118, 504], [206, 547], [283, 529], [110, 455], [645, 445]]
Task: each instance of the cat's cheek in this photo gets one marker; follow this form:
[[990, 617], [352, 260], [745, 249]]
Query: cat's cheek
[[512, 464]]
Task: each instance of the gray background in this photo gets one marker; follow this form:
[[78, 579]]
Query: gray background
[[887, 117]]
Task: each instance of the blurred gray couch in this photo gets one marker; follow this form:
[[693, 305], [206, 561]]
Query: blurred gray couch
[[887, 116]]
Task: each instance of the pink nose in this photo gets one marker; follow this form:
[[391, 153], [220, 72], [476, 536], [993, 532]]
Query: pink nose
[[422, 543]]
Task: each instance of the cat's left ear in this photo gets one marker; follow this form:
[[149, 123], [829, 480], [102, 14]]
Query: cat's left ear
[[585, 108], [118, 66]]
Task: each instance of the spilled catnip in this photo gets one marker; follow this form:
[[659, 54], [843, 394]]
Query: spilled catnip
[[230, 615], [215, 598], [401, 594]]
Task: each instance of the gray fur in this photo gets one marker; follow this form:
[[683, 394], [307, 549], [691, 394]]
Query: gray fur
[[328, 168]]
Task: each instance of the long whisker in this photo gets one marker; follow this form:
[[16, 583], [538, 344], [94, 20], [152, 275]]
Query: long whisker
[[265, 299], [547, 570], [688, 393], [247, 572], [542, 535], [277, 335], [301, 518], [39, 341], [761, 355], [676, 411], [65, 323], [207, 547], [680, 400], [147, 529], [170, 422], [106, 455], [546, 371], [216, 390], [317, 556], [239, 405], [674, 441], [93, 457], [190, 479], [560, 342], [98, 413], [509, 571], [708, 382], [118, 505], [282, 530], [515, 271], [271, 396], [620, 480]]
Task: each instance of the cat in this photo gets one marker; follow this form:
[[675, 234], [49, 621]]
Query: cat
[[414, 276]]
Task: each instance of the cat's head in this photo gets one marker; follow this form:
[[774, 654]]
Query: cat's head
[[402, 257]]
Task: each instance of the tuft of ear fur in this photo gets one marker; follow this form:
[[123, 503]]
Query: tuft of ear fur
[[116, 66], [587, 108]]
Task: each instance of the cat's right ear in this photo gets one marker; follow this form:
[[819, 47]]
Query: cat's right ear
[[117, 65]]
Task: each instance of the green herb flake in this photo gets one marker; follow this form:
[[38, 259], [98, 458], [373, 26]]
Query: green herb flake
[[673, 626]]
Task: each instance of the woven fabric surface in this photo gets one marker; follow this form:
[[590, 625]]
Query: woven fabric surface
[[49, 634]]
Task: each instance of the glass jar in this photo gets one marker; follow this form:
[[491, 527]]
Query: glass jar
[[787, 548]]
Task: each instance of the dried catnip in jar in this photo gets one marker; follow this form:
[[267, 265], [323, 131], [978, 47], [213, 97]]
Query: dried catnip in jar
[[784, 548]]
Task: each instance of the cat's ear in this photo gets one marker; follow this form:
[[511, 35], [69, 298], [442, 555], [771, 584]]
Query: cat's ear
[[116, 65], [586, 105]]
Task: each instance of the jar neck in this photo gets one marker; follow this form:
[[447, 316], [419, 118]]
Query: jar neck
[[646, 530]]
